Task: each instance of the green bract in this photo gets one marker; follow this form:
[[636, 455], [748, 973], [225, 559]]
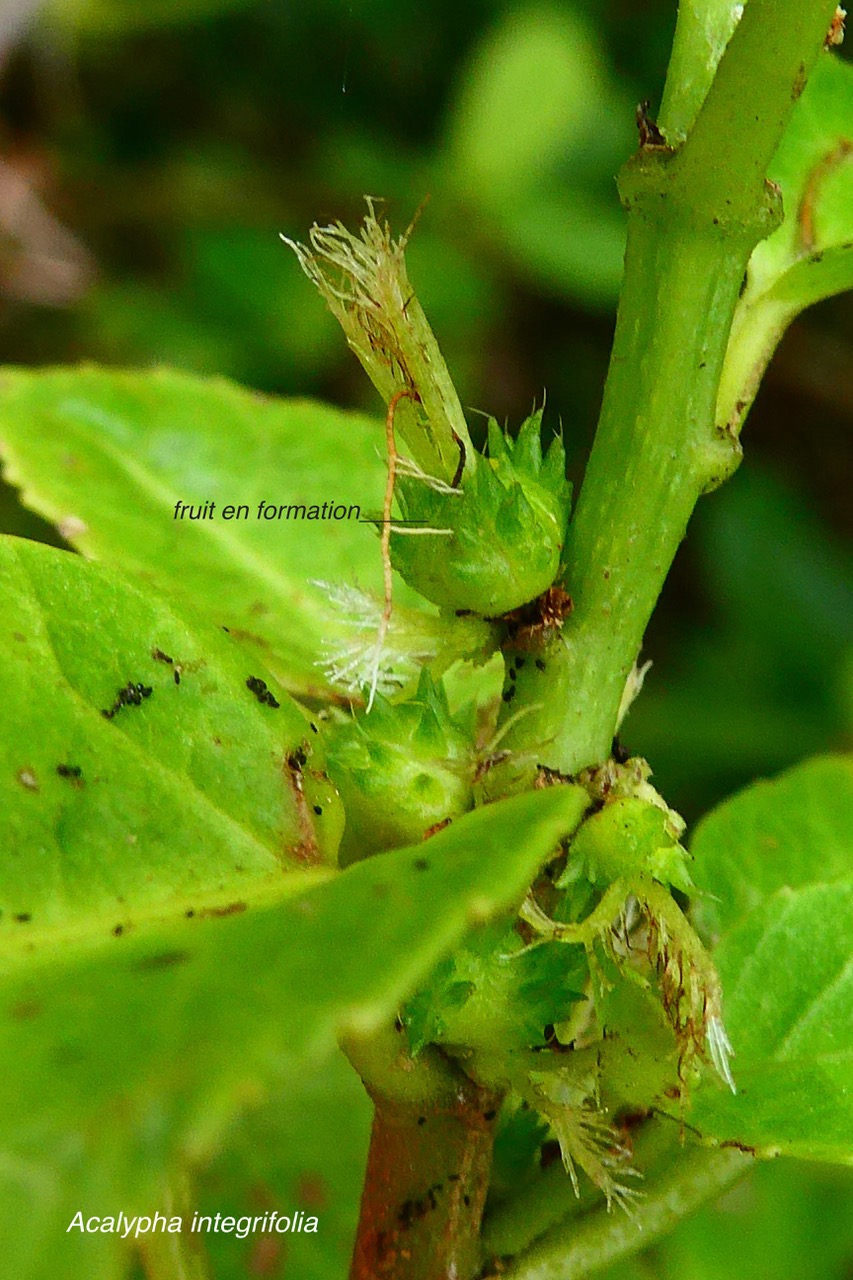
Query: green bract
[[400, 770], [496, 996], [497, 540], [628, 836]]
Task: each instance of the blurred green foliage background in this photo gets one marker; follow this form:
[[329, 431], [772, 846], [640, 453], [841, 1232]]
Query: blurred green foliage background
[[151, 151]]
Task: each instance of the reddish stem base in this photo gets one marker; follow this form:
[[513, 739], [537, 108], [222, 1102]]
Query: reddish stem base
[[425, 1188]]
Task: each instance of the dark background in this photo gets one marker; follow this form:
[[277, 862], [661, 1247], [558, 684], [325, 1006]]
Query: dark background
[[151, 152]]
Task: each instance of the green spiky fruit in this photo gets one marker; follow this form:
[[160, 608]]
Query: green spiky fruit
[[400, 771], [499, 538]]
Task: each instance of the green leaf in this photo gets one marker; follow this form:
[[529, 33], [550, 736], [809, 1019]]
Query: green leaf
[[810, 256], [205, 980], [787, 974], [303, 1148], [775, 866], [191, 794], [537, 81], [740, 1233], [814, 169], [106, 455], [790, 832]]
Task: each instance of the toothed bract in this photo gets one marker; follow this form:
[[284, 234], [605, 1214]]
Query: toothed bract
[[627, 836], [400, 770], [499, 538]]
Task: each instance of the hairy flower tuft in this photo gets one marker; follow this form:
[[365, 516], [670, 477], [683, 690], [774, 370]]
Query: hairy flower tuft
[[586, 1138], [366, 659], [364, 282]]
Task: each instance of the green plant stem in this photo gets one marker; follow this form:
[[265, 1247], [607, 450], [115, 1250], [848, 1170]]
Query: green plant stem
[[584, 1246], [389, 1070], [695, 216], [655, 452], [759, 78], [701, 34]]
